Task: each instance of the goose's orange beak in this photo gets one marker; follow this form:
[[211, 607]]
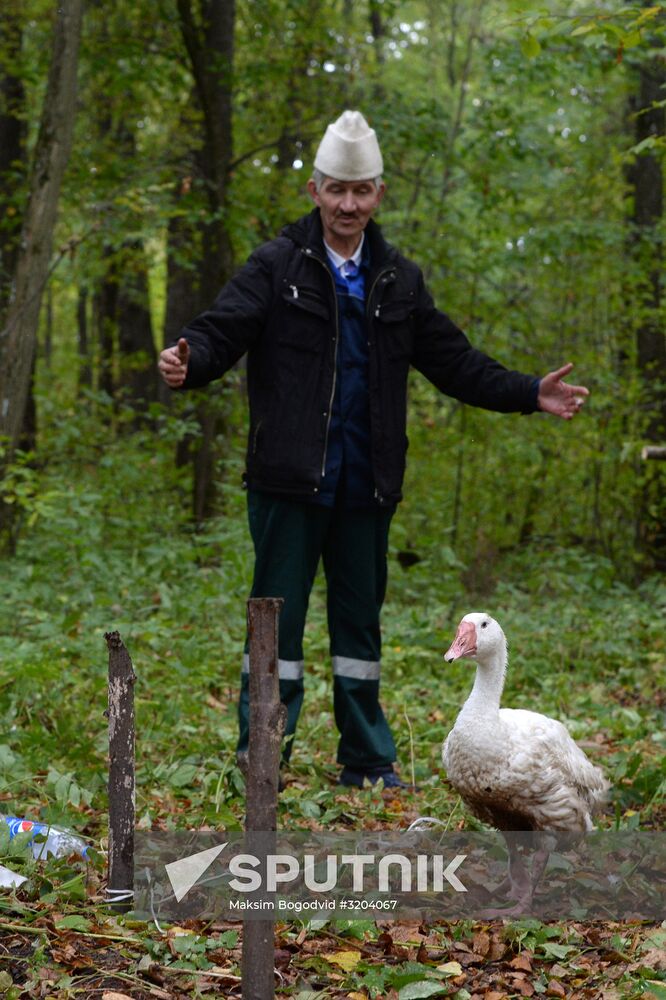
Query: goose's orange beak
[[464, 643]]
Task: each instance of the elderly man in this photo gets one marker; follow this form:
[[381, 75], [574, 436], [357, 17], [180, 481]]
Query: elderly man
[[331, 317]]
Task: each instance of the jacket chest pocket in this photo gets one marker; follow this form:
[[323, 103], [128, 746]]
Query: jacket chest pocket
[[304, 317], [395, 328]]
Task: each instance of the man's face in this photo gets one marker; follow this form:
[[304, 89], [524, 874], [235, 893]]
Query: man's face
[[345, 207]]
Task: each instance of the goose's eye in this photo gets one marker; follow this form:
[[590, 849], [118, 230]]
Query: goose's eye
[[484, 624]]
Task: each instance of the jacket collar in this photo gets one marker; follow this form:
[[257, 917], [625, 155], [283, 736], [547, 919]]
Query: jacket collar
[[307, 233]]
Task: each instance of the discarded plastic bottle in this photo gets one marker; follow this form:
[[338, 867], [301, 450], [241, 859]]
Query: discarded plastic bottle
[[60, 843]]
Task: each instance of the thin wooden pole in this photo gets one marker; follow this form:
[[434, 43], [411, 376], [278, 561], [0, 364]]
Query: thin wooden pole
[[122, 779], [267, 721]]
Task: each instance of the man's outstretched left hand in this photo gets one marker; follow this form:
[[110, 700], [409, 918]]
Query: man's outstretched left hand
[[560, 398]]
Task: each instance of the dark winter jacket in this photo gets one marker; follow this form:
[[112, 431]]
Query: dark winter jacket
[[281, 308]]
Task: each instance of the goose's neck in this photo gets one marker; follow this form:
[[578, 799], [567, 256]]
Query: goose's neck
[[488, 685]]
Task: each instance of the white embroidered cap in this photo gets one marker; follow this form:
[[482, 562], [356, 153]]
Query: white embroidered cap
[[349, 150]]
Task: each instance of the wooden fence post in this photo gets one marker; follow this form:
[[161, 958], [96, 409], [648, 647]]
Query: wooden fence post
[[122, 780], [267, 722]]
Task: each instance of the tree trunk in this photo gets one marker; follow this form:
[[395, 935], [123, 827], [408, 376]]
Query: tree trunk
[[12, 154], [123, 321], [83, 340], [648, 184], [19, 337], [19, 317], [48, 327], [210, 46], [104, 314], [648, 206], [192, 279], [136, 347], [199, 252], [137, 358], [13, 193]]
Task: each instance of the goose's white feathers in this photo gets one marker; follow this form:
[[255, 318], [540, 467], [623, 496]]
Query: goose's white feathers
[[515, 769]]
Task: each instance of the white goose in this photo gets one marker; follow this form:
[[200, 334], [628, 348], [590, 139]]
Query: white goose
[[515, 769]]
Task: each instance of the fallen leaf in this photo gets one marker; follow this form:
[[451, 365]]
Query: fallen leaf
[[112, 995], [385, 942], [347, 960], [73, 922], [654, 958], [497, 949], [522, 961], [494, 995], [656, 991], [77, 961], [470, 958], [481, 943], [450, 968], [523, 985], [177, 931], [407, 933], [64, 955], [421, 989], [617, 957], [655, 939], [555, 989], [422, 954], [302, 936], [281, 958]]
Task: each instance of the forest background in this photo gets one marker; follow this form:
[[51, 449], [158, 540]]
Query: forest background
[[145, 150]]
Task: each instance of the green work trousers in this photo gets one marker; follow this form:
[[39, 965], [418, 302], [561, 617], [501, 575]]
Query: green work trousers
[[289, 539]]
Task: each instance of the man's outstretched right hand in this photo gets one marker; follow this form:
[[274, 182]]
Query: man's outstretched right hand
[[173, 364]]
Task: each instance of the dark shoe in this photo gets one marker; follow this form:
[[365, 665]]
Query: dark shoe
[[352, 778]]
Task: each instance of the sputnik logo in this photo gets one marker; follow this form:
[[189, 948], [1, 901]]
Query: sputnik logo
[[186, 872]]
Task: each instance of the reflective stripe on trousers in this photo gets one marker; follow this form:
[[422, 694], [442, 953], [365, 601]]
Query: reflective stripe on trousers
[[288, 670]]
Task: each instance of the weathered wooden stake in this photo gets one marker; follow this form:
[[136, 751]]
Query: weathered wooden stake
[[267, 721], [122, 781]]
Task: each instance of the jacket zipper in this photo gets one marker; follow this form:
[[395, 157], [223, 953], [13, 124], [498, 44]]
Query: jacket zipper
[[387, 270], [381, 274], [337, 340], [335, 359]]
